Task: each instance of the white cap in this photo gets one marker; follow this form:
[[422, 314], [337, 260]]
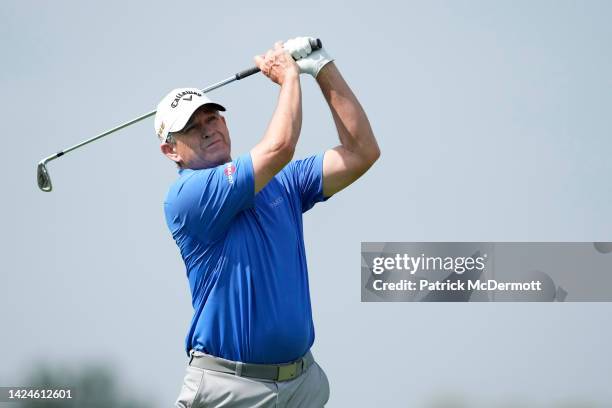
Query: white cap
[[174, 111]]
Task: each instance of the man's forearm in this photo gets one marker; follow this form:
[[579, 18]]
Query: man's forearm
[[353, 127], [277, 146], [284, 127]]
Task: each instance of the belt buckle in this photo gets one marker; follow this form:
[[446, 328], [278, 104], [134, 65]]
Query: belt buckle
[[287, 372]]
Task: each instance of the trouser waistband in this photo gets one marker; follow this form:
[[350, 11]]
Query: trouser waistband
[[274, 372]]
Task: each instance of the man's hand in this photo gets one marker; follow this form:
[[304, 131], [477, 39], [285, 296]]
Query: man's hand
[[277, 64], [309, 62], [298, 47]]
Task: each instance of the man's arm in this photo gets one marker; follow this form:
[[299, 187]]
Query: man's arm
[[358, 150], [277, 146]]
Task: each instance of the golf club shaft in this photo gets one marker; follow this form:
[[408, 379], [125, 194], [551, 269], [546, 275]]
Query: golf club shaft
[[315, 45], [136, 120]]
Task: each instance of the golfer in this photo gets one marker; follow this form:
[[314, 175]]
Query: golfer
[[238, 225]]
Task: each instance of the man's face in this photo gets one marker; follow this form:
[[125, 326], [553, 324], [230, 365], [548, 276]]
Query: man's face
[[204, 141]]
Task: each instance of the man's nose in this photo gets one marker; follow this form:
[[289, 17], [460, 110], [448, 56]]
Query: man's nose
[[205, 131]]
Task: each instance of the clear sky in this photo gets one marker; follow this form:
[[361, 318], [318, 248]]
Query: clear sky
[[494, 120]]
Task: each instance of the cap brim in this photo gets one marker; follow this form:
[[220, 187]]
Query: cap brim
[[182, 120]]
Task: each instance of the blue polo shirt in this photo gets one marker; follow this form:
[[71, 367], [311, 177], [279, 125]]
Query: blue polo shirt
[[245, 258]]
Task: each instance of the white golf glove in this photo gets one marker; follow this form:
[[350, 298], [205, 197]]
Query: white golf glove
[[309, 62]]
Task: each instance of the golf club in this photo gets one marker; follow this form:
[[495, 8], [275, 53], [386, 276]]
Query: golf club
[[42, 174]]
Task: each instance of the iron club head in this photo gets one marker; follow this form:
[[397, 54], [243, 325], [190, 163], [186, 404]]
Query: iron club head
[[43, 177]]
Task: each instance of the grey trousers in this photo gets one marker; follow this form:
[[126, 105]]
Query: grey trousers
[[206, 388]]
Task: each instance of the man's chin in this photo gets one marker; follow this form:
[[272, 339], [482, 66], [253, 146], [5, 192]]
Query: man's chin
[[226, 158]]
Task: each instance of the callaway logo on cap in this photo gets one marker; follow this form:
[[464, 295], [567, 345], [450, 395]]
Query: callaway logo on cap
[[176, 108]]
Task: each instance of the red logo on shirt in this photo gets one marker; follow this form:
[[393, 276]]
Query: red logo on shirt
[[229, 171]]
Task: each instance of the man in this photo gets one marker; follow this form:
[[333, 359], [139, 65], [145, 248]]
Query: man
[[238, 224]]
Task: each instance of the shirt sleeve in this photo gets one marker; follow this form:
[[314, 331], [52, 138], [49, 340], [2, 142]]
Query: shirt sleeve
[[308, 177], [207, 200]]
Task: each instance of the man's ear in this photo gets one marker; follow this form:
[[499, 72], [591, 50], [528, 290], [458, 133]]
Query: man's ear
[[169, 150]]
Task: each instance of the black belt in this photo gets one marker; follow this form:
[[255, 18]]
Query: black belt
[[274, 372]]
